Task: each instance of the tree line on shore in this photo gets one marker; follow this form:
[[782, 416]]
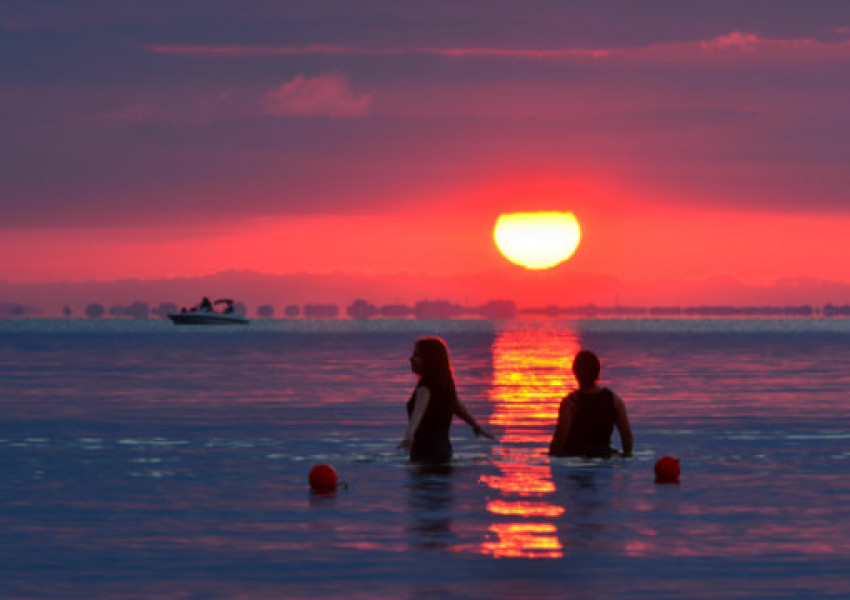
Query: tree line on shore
[[443, 309]]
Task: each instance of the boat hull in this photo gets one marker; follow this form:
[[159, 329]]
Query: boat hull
[[207, 319]]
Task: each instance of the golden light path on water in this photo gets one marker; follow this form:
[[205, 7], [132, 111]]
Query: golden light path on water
[[531, 373]]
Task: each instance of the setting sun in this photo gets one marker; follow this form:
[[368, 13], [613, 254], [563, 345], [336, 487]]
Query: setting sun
[[537, 240]]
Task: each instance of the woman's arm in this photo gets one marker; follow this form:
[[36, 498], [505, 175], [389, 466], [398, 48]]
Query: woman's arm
[[463, 413], [623, 426], [420, 403], [562, 429]]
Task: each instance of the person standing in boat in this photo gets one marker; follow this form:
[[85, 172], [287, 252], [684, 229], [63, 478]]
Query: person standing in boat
[[433, 404], [588, 415], [206, 305]]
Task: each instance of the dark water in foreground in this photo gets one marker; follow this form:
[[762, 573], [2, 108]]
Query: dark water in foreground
[[139, 460]]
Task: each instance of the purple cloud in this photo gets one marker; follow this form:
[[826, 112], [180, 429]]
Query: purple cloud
[[327, 95], [729, 45]]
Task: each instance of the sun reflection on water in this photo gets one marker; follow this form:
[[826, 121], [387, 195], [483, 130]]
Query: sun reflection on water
[[531, 372]]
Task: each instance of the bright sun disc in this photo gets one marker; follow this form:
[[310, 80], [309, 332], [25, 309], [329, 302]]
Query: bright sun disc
[[537, 240]]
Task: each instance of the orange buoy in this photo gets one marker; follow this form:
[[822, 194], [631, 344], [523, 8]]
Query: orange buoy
[[323, 479], [667, 470]]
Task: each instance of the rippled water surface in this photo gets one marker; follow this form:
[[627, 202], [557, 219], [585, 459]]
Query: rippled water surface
[[141, 460]]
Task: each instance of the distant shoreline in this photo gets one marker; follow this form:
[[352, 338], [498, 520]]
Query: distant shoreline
[[418, 327], [445, 310]]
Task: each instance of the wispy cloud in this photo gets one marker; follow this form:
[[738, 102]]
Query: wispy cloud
[[237, 50], [736, 39], [240, 50], [731, 46], [742, 46], [327, 95]]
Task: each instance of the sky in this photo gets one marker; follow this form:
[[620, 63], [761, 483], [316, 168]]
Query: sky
[[165, 139]]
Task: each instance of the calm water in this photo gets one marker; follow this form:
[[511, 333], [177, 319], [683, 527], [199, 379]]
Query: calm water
[[140, 460]]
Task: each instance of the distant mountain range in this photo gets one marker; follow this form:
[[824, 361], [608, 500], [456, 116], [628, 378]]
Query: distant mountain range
[[558, 287]]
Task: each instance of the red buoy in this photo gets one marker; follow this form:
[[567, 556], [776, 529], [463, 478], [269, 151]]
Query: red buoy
[[323, 479], [667, 470]]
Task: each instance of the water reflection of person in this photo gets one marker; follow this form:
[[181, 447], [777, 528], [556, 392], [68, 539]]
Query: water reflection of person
[[588, 415], [588, 525], [433, 404], [431, 503]]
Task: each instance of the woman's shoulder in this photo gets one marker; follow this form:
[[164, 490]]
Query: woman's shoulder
[[430, 388], [435, 384]]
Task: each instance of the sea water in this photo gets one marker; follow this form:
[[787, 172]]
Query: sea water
[[143, 460]]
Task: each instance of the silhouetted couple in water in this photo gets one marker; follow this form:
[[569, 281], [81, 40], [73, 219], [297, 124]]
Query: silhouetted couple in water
[[586, 418]]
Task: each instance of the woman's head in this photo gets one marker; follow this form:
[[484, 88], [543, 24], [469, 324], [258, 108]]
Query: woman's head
[[431, 360], [586, 368]]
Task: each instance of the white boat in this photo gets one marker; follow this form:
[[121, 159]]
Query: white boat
[[205, 314]]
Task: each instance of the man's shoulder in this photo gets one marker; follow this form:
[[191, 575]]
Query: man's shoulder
[[616, 398]]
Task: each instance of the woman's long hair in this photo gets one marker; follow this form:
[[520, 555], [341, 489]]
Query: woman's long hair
[[436, 366]]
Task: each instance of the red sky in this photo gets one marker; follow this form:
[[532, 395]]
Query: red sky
[[690, 139]]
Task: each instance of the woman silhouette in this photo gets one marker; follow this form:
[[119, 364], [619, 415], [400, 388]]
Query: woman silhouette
[[433, 404]]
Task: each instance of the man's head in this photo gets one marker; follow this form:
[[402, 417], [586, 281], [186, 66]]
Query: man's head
[[586, 368]]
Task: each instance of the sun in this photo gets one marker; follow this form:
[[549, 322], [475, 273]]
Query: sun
[[538, 240]]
